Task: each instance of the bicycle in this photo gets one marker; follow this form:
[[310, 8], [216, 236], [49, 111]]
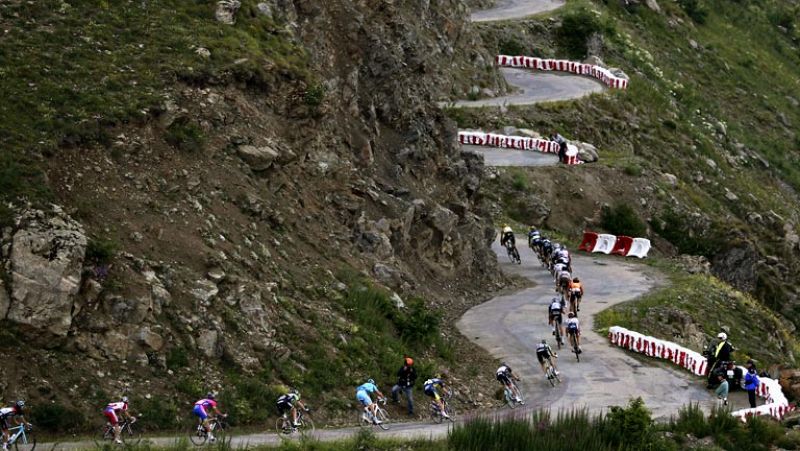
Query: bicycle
[[126, 433], [198, 435], [20, 436], [508, 394], [438, 415], [364, 419], [558, 333], [574, 343], [575, 302], [513, 253], [550, 371], [285, 427]]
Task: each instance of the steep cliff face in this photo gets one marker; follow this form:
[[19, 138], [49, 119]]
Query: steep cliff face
[[228, 228]]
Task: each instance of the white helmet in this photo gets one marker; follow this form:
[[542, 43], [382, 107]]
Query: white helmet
[[507, 229], [722, 336]]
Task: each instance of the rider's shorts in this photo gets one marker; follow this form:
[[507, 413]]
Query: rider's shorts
[[363, 397], [557, 317], [112, 416], [283, 407], [503, 377], [200, 412], [432, 392], [4, 426], [542, 355]]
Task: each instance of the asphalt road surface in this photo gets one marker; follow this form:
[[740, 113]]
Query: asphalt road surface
[[515, 9], [494, 156], [509, 327]]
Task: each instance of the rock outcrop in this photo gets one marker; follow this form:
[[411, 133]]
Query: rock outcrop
[[45, 265]]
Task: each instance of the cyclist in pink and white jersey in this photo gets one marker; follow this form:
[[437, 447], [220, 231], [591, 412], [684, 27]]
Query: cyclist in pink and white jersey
[[201, 409], [113, 411]]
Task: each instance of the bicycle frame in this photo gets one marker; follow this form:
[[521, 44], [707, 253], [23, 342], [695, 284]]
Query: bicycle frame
[[20, 433]]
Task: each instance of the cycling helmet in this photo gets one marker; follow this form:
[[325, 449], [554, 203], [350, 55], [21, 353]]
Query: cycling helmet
[[571, 315], [722, 336], [576, 280], [409, 361], [125, 399], [507, 229], [544, 342], [210, 396], [371, 381], [294, 391], [20, 404]]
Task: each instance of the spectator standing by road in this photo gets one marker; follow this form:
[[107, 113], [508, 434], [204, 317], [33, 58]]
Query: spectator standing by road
[[718, 354], [751, 382], [406, 377], [562, 146], [722, 390]]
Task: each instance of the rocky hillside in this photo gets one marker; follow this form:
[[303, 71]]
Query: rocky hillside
[[698, 154], [224, 196]]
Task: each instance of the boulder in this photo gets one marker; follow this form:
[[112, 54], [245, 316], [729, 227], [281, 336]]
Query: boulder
[[443, 220], [595, 61], [46, 260], [208, 344], [150, 339], [204, 290], [258, 158], [586, 151], [5, 300], [670, 178], [653, 5], [226, 11]]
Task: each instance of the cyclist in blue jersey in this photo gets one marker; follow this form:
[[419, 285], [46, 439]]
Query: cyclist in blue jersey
[[363, 393]]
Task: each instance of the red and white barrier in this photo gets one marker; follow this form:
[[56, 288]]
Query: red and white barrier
[[610, 244], [777, 405], [518, 143], [528, 62]]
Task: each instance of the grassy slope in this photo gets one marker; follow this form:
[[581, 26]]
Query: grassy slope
[[743, 75], [72, 70]]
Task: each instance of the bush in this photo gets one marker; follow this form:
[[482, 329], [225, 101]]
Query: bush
[[314, 95], [511, 47], [185, 135], [100, 251], [622, 219], [575, 31], [156, 413], [695, 9], [692, 420], [519, 183], [177, 358], [674, 227], [633, 170], [629, 427], [56, 417]]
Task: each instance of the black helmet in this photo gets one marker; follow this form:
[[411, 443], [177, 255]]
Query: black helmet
[[210, 395]]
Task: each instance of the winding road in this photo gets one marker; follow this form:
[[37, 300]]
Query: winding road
[[495, 156], [509, 327], [515, 9]]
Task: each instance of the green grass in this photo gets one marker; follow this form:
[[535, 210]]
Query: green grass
[[710, 304], [72, 71]]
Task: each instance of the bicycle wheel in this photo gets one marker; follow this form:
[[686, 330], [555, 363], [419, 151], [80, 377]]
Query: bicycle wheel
[[551, 376], [282, 427], [107, 433], [219, 430], [383, 417], [451, 412], [306, 426], [521, 399], [558, 336], [510, 401], [436, 415], [363, 419], [30, 444], [198, 436], [129, 436]]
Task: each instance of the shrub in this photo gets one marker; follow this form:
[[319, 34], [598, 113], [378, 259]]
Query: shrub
[[674, 227], [314, 95], [177, 358], [511, 47], [575, 31], [56, 417], [622, 219], [519, 183], [100, 251], [156, 413], [633, 170], [695, 9], [185, 135], [692, 420]]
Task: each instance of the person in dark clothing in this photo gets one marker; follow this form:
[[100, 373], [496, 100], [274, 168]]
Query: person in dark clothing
[[751, 383], [720, 353], [406, 377], [562, 147]]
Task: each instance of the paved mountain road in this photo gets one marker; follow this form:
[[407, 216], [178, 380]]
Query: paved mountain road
[[515, 9], [494, 156], [509, 327]]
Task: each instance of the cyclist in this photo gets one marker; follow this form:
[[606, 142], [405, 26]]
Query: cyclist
[[504, 374], [574, 329], [555, 312], [544, 352], [200, 410], [362, 395], [507, 235], [285, 403], [534, 238], [431, 387], [563, 280], [113, 411], [564, 257], [544, 252], [15, 411], [576, 293]]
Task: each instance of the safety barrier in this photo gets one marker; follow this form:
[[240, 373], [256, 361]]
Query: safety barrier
[[605, 243], [517, 142], [610, 244], [777, 405], [528, 62]]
